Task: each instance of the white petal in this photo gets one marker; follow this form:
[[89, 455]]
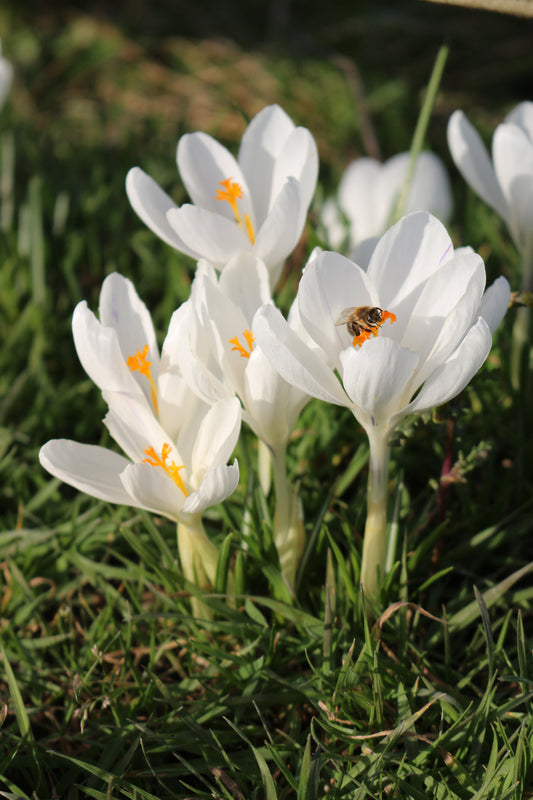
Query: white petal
[[430, 188], [121, 308], [245, 281], [446, 309], [91, 469], [151, 204], [405, 257], [133, 425], [208, 235], [217, 485], [363, 252], [261, 145], [217, 437], [153, 489], [207, 384], [375, 376], [280, 231], [331, 284], [473, 162], [334, 225], [272, 404], [513, 162], [100, 353], [203, 164], [294, 360], [495, 303], [297, 159], [451, 378], [522, 115], [357, 198]]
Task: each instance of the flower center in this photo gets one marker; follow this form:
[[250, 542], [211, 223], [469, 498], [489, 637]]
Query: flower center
[[139, 363], [171, 469], [249, 338], [230, 193]]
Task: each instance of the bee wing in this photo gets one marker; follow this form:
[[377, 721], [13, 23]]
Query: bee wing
[[345, 315]]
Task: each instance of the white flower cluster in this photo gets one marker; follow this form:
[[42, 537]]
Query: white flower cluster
[[400, 330]]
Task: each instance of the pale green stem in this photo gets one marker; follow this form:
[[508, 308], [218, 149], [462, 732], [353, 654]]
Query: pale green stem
[[288, 527], [264, 466], [521, 333], [198, 558], [375, 540]]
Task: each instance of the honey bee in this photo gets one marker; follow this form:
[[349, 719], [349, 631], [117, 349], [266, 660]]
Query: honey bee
[[363, 319]]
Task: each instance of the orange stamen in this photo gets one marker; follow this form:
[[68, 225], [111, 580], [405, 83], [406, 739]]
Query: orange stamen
[[139, 363], [171, 469], [232, 192], [250, 339], [364, 335]]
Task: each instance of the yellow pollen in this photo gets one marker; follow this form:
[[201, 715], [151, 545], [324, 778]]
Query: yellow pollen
[[250, 339], [364, 335], [139, 363], [230, 193], [171, 469]]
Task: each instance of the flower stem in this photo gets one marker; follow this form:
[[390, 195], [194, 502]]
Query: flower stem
[[198, 558], [288, 528], [375, 540], [521, 330]]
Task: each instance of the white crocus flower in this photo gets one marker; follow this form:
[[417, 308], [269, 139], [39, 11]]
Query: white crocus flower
[[368, 192], [418, 327], [256, 203], [221, 360], [176, 447], [506, 185]]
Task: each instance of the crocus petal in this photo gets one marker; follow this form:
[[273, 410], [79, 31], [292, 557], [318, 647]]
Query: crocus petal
[[512, 151], [202, 380], [294, 360], [375, 377], [153, 490], [217, 485], [203, 164], [217, 436], [272, 405], [331, 284], [91, 469], [445, 310], [405, 257], [429, 189], [297, 159], [357, 199], [152, 204], [133, 425], [522, 115], [260, 146], [451, 377], [100, 353], [208, 235], [280, 231], [495, 303], [473, 162], [121, 308], [245, 281]]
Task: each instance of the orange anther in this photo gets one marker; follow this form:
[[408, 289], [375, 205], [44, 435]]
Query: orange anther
[[230, 193], [139, 363], [172, 470], [250, 339]]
